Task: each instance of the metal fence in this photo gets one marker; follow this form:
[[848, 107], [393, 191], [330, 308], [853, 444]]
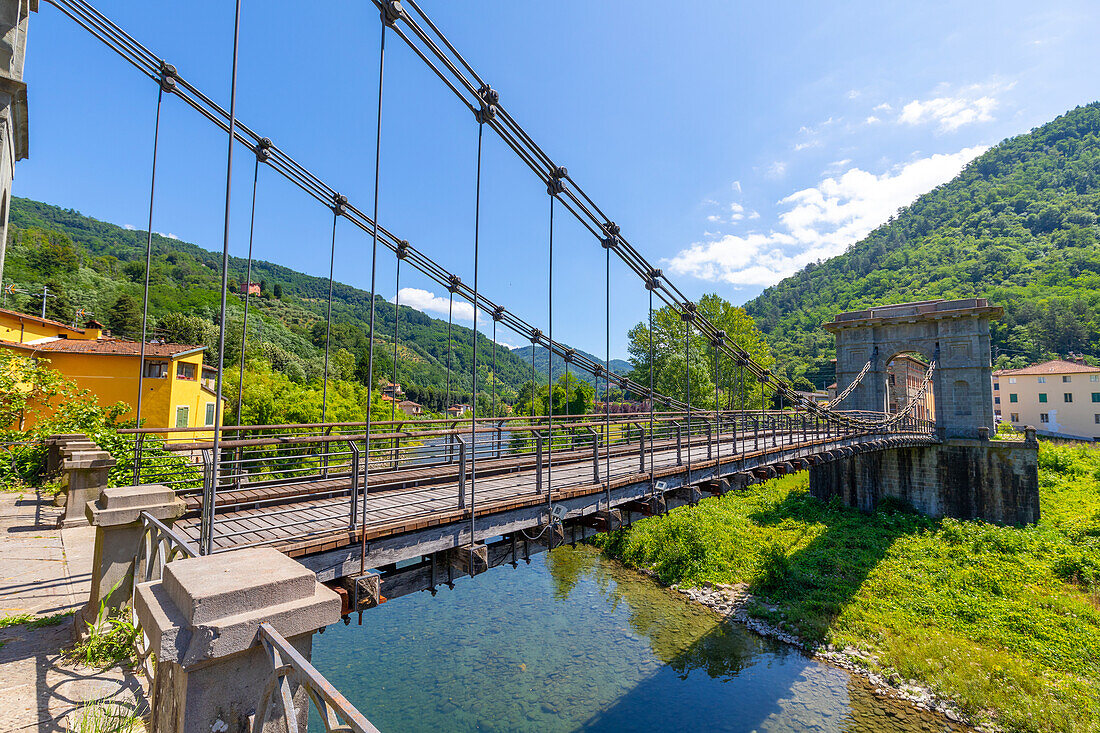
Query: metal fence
[[268, 468]]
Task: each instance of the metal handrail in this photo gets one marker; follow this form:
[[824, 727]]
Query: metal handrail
[[337, 714], [157, 547]]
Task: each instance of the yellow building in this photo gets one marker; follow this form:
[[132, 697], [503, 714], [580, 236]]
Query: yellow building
[[1060, 398], [177, 391]]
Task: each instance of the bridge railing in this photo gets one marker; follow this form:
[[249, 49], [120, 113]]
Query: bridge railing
[[336, 468], [160, 545]]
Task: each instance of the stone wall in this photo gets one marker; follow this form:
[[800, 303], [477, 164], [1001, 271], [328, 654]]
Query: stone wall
[[966, 479]]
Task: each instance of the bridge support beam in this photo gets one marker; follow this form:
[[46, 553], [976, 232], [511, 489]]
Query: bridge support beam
[[962, 478], [470, 559], [202, 619]]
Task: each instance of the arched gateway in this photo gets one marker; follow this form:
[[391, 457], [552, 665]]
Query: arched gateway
[[964, 474], [953, 333]]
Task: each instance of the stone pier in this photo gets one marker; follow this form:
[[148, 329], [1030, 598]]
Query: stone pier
[[993, 481]]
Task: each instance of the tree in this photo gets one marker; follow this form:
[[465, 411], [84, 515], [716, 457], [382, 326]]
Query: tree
[[59, 307], [277, 291], [124, 317], [49, 252], [669, 373], [178, 328]]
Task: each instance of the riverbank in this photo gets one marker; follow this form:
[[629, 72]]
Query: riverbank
[[1004, 622]]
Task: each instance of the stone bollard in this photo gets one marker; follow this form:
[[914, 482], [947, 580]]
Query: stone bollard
[[84, 473], [202, 618], [116, 516], [983, 434], [55, 444], [1030, 439]]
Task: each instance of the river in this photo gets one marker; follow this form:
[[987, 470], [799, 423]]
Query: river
[[576, 642]]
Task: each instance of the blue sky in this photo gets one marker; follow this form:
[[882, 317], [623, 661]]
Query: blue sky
[[732, 142]]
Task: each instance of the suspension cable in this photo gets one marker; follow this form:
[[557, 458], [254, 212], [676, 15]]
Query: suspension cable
[[248, 282], [582, 206], [209, 501], [650, 285], [450, 319], [687, 390], [396, 322], [550, 354], [608, 244], [373, 281], [123, 44], [148, 265], [473, 370], [336, 208]]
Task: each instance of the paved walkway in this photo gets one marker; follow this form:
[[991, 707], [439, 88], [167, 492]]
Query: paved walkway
[[46, 571]]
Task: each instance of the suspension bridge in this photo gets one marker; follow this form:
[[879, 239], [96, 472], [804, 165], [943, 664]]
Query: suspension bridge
[[383, 508]]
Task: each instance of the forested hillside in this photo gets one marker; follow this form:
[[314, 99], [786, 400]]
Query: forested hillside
[[100, 267], [542, 359], [1017, 226]]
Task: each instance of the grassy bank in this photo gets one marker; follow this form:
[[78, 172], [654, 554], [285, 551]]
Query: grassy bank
[[997, 618]]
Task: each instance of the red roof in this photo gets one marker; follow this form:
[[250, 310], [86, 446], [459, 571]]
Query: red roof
[[1055, 366], [105, 346], [36, 319]]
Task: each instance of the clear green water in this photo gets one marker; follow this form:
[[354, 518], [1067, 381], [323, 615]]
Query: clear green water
[[576, 642]]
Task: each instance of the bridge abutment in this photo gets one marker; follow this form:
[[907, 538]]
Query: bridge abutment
[[961, 478]]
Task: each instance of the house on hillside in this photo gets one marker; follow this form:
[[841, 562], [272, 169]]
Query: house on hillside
[[251, 288], [176, 384], [393, 391], [458, 410], [410, 408], [1060, 398]]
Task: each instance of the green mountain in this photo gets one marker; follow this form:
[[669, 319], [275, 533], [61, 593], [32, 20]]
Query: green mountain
[[542, 361], [1018, 226], [90, 264]]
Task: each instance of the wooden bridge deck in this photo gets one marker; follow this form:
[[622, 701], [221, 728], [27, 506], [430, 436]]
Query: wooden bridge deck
[[406, 523]]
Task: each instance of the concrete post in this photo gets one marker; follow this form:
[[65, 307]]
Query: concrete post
[[116, 516], [84, 473], [201, 619], [55, 444]]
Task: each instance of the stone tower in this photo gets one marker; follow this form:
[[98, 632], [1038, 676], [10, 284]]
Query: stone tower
[[953, 332], [13, 102]]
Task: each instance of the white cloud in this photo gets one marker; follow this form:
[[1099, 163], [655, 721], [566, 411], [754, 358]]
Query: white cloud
[[432, 304], [853, 94], [709, 202], [736, 186], [429, 302], [818, 222], [969, 105], [754, 215], [172, 236], [872, 120], [736, 207], [131, 227], [798, 147], [778, 169], [714, 217], [884, 107]]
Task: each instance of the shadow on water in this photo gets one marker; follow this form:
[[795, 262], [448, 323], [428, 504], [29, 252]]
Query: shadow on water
[[576, 642]]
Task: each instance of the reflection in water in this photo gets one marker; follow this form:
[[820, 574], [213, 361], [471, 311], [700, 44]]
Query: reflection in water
[[575, 642]]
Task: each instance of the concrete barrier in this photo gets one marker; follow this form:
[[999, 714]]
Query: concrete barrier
[[202, 619]]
